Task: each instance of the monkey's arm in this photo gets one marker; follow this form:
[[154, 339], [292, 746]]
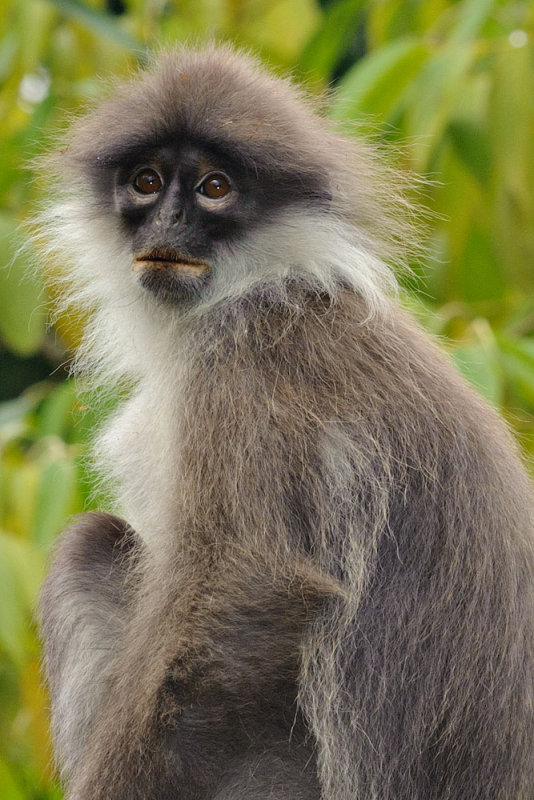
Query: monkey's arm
[[83, 609]]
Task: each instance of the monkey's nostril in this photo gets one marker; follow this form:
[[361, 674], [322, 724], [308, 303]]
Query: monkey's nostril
[[178, 217]]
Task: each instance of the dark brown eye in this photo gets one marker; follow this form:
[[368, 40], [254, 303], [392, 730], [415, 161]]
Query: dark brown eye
[[215, 186], [147, 181]]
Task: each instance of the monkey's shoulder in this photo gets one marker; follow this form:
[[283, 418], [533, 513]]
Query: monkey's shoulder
[[328, 348]]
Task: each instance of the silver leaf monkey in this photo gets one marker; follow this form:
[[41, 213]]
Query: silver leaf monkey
[[324, 583]]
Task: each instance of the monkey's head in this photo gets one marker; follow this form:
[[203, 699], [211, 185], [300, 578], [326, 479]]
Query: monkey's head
[[203, 175], [193, 157]]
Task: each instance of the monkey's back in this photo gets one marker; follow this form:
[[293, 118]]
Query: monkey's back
[[355, 444]]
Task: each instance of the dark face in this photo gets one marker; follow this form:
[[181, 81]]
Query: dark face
[[183, 205], [178, 206]]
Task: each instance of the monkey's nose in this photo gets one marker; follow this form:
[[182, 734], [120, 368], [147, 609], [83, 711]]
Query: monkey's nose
[[177, 217]]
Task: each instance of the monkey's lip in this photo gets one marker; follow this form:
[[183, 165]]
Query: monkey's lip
[[165, 258]]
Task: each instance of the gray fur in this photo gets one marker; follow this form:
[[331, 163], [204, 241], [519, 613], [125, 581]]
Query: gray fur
[[333, 597], [84, 607]]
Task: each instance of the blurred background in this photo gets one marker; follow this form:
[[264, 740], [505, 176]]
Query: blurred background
[[449, 84]]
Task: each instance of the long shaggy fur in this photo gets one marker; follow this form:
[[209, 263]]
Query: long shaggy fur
[[329, 592]]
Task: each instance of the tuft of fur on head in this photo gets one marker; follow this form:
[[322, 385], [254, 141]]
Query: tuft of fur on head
[[216, 96]]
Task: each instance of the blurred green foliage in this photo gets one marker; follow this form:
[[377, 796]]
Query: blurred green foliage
[[447, 82]]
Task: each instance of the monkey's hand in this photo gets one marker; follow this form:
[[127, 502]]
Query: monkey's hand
[[84, 606]]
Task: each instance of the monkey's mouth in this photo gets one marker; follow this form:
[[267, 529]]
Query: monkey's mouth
[[171, 276], [164, 258]]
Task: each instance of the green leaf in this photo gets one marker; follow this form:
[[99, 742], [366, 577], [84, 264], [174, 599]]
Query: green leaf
[[21, 571], [480, 365], [12, 611], [392, 19], [14, 411], [435, 96], [29, 567], [99, 22], [8, 51], [9, 788], [473, 14], [377, 82], [325, 49], [471, 143], [22, 315], [479, 273], [518, 362], [55, 500], [511, 131], [56, 416], [284, 28], [34, 25]]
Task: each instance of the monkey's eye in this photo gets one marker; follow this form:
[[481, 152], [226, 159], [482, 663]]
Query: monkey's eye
[[214, 186], [147, 181]]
